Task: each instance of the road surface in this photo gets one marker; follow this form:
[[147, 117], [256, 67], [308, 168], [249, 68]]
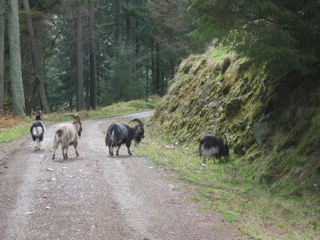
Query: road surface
[[95, 196]]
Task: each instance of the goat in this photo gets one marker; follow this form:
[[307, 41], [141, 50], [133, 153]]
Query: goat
[[212, 146], [66, 135], [119, 133], [37, 129]]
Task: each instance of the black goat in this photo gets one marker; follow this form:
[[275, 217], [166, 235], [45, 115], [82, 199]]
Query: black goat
[[119, 133], [37, 129], [212, 146]]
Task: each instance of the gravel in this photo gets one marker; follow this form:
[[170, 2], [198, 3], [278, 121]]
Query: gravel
[[95, 196]]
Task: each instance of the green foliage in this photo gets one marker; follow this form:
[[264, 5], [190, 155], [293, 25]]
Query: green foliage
[[279, 36], [226, 96]]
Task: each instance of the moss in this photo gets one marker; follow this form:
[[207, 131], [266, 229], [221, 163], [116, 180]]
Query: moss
[[224, 94]]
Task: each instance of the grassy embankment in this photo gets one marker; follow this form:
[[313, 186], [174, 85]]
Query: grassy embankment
[[270, 187]]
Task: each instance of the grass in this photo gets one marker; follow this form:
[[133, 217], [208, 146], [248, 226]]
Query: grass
[[13, 127], [262, 212]]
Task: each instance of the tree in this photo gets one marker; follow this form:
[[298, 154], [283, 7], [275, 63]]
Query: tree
[[37, 61], [281, 37], [18, 101], [92, 53], [79, 43], [121, 32], [2, 33]]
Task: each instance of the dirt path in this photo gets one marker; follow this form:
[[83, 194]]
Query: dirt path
[[95, 196]]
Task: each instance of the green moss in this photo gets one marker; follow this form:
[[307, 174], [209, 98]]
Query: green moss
[[225, 94]]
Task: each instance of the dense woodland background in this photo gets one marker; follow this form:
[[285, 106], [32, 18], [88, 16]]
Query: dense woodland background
[[81, 54]]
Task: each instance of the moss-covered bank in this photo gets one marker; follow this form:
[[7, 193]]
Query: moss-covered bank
[[272, 127]]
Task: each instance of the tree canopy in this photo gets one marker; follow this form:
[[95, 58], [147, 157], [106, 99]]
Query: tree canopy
[[281, 37], [81, 54]]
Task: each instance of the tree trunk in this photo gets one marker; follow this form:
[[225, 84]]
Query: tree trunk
[[2, 20], [157, 83], [92, 53], [18, 101], [153, 72], [36, 56], [118, 50], [80, 92], [118, 23]]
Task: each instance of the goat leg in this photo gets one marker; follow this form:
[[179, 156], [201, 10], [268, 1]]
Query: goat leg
[[204, 159], [117, 152], [54, 151], [129, 151], [65, 152], [110, 150], [75, 148]]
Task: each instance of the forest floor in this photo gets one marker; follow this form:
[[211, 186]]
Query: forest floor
[[95, 196]]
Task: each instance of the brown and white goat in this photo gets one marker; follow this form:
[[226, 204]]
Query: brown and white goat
[[66, 135]]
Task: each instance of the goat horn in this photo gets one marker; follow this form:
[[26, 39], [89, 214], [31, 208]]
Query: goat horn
[[75, 116], [78, 118], [138, 121]]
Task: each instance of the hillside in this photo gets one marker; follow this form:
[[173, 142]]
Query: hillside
[[272, 127]]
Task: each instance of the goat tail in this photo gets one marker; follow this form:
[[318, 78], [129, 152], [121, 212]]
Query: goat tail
[[107, 138], [58, 137], [111, 139], [37, 132]]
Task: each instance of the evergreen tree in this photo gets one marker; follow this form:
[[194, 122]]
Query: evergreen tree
[[18, 101], [79, 45], [37, 62], [2, 33], [281, 37], [92, 53]]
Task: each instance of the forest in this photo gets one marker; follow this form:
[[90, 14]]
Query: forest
[[226, 67], [78, 54], [83, 54]]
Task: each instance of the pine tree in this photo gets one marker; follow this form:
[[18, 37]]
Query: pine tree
[[2, 32], [18, 101], [281, 37]]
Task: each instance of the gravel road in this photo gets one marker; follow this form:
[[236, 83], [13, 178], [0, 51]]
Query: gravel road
[[95, 196]]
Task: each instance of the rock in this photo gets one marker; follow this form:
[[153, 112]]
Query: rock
[[260, 130]]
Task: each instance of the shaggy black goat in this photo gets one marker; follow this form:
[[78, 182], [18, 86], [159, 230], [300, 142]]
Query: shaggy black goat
[[119, 133], [212, 146], [37, 129], [67, 134]]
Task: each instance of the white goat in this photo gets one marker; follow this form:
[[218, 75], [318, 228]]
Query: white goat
[[66, 135]]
